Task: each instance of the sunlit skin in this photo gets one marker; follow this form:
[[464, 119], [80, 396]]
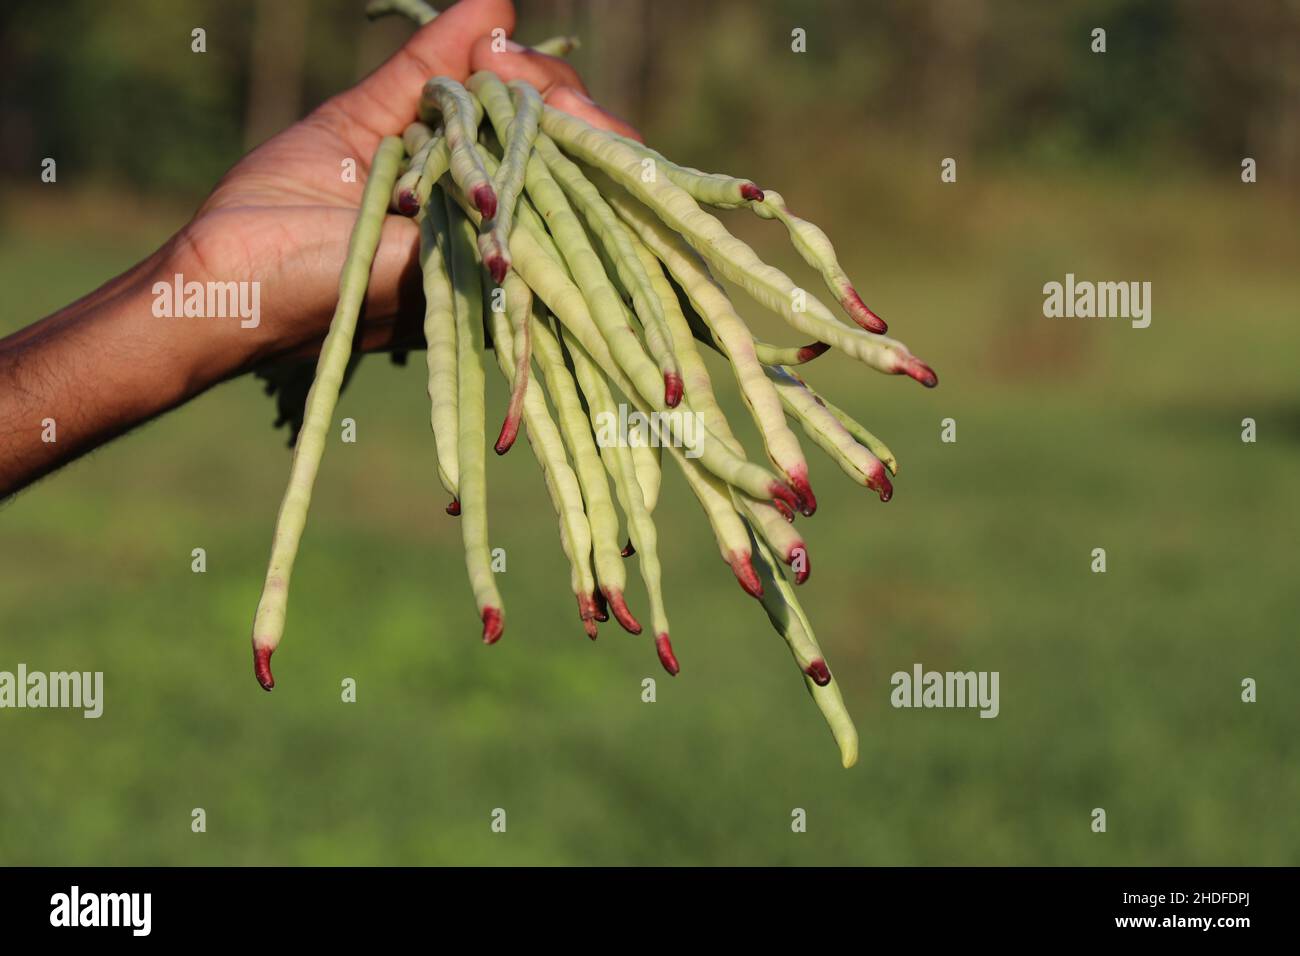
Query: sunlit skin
[[281, 216]]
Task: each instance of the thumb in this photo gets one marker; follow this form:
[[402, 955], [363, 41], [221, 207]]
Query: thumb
[[386, 100]]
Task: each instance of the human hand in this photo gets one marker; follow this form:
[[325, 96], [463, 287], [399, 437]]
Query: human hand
[[283, 214], [281, 217]]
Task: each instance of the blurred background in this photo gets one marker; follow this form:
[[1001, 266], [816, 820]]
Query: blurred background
[[1118, 690]]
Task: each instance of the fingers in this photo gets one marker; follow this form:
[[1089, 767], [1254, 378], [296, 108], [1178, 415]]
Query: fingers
[[386, 100], [556, 80]]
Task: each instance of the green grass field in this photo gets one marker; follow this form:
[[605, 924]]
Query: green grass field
[[1118, 690]]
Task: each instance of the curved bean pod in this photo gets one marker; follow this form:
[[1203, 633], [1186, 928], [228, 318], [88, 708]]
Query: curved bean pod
[[767, 353], [405, 191], [713, 189], [517, 136], [859, 431], [456, 105], [815, 247], [783, 610], [518, 308]]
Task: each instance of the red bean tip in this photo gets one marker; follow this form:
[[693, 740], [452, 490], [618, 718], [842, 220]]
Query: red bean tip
[[509, 432], [664, 648], [819, 672], [485, 200], [619, 607], [915, 368], [858, 311], [262, 666], [673, 389], [743, 567], [810, 352], [782, 492], [799, 482], [408, 203], [493, 625]]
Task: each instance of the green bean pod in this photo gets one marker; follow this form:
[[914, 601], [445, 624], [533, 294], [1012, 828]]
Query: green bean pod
[[468, 297], [518, 307], [415, 136], [576, 430], [548, 448], [712, 189], [733, 542], [767, 353], [616, 246], [617, 458], [517, 136], [815, 247], [649, 473], [268, 621], [550, 281], [583, 262], [406, 199], [731, 333], [832, 437], [783, 610], [440, 339], [859, 431], [456, 105], [732, 257], [437, 162]]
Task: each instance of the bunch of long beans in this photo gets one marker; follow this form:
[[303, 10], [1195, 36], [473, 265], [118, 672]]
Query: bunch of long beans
[[586, 256]]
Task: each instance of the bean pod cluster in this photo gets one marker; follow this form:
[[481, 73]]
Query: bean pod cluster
[[588, 265]]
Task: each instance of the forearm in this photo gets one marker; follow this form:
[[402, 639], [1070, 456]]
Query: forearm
[[103, 365]]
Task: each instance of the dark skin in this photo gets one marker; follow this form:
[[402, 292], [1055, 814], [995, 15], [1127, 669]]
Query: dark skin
[[282, 217]]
